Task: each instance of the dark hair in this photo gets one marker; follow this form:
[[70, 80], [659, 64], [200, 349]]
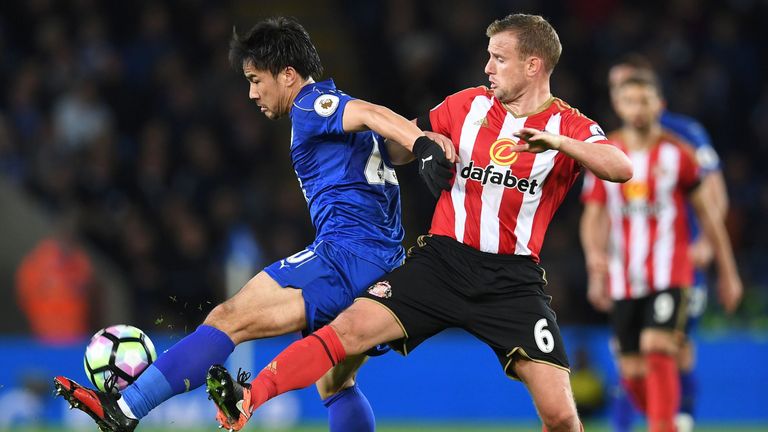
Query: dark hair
[[274, 44], [535, 36], [643, 78], [635, 60]]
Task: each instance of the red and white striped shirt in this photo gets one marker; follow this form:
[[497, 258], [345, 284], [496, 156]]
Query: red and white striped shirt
[[502, 202], [649, 233]]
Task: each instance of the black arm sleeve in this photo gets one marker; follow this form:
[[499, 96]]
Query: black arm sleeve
[[424, 123]]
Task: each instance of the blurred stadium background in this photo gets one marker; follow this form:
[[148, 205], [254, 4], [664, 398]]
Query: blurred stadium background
[[128, 146]]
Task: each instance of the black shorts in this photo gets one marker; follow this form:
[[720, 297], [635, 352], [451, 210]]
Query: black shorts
[[499, 299], [661, 310]]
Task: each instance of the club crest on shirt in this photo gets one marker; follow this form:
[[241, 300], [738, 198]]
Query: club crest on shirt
[[635, 190], [381, 289], [501, 152], [326, 105]]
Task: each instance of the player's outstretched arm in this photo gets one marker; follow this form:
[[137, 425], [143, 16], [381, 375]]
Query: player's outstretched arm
[[360, 115], [594, 240], [399, 155], [434, 167], [713, 183], [729, 283], [605, 161], [718, 192]]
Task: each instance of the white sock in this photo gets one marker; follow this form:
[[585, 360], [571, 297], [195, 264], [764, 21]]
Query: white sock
[[125, 409]]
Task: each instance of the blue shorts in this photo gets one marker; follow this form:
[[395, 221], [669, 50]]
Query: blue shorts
[[330, 278]]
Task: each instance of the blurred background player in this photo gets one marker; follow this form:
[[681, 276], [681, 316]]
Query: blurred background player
[[521, 149], [343, 167], [638, 235], [701, 248]]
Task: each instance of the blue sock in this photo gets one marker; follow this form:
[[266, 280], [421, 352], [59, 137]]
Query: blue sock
[[622, 411], [182, 368], [688, 390], [349, 411]]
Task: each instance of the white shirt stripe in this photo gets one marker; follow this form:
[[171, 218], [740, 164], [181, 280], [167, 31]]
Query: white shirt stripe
[[542, 166], [616, 245], [668, 167], [639, 235], [472, 123], [493, 193]]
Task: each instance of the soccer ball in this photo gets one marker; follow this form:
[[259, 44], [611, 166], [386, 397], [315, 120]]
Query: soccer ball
[[116, 356]]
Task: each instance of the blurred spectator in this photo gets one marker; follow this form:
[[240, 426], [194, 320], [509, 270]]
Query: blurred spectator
[[55, 285], [80, 117]]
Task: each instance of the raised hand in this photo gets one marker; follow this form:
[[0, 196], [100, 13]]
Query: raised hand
[[536, 141], [445, 143]]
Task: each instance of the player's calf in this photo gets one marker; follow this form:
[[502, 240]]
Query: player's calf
[[340, 377]]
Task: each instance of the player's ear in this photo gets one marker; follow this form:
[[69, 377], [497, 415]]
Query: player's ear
[[289, 76], [533, 65]]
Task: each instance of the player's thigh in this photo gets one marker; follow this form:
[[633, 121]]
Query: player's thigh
[[627, 322], [517, 325], [550, 388], [664, 321], [329, 276], [416, 300], [365, 325], [341, 377], [262, 308]]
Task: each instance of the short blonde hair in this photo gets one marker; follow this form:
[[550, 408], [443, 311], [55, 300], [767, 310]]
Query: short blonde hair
[[535, 36]]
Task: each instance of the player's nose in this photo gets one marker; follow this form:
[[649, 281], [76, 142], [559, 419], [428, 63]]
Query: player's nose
[[489, 67]]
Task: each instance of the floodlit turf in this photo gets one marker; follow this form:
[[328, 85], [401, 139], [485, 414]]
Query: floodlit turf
[[424, 427]]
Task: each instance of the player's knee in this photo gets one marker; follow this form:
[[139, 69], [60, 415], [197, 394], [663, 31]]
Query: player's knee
[[661, 345], [558, 409], [329, 388], [561, 419], [350, 334], [652, 340], [232, 320], [631, 366], [218, 317]]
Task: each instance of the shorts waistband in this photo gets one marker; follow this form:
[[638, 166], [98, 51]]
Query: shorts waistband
[[487, 256]]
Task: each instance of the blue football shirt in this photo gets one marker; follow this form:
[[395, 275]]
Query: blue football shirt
[[706, 156], [351, 189]]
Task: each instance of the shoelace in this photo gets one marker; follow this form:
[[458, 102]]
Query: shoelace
[[243, 377], [110, 384]]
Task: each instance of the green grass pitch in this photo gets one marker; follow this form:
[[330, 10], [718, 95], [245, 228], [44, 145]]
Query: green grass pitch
[[425, 427]]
